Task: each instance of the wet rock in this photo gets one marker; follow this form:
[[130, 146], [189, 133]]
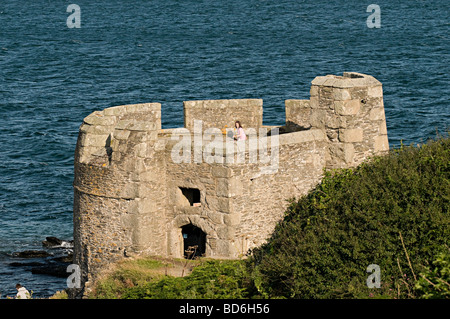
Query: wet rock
[[53, 263], [52, 242], [32, 254], [52, 269], [26, 264], [64, 259]]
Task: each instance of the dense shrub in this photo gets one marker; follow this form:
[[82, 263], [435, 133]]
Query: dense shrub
[[434, 282], [392, 211]]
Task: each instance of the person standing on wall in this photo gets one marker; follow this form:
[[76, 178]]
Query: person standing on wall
[[239, 132]]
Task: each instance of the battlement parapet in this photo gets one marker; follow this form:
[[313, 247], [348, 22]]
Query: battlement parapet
[[143, 189]]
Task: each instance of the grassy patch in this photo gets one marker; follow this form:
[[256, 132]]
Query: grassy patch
[[126, 274], [149, 278]]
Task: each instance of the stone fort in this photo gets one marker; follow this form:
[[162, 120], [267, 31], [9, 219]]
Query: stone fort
[[132, 197]]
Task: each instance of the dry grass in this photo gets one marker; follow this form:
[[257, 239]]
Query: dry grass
[[134, 271]]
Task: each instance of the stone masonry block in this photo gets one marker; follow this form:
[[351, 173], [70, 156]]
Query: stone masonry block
[[95, 129], [376, 114], [145, 189], [121, 134], [329, 81], [319, 80], [358, 93], [341, 94], [141, 149], [123, 124], [192, 104], [298, 113], [353, 135], [255, 102], [150, 176], [334, 121], [314, 102], [220, 171], [223, 232], [228, 187], [146, 205], [222, 187], [375, 91], [349, 107], [342, 152], [318, 118], [130, 191], [94, 140], [115, 111], [232, 219], [216, 218], [296, 104], [381, 143], [220, 204], [349, 152], [302, 137], [98, 118], [383, 128], [142, 126]]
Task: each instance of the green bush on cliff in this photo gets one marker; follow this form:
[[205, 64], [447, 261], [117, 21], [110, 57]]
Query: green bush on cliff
[[392, 211], [434, 282]]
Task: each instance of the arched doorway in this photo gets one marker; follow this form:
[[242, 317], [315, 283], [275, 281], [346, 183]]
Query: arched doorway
[[194, 241]]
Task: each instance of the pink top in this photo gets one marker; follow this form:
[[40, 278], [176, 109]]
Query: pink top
[[241, 134]]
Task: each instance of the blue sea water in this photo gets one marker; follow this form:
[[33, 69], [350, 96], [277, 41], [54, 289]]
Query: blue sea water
[[135, 51]]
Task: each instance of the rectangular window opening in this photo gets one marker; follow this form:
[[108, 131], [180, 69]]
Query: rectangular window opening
[[192, 195]]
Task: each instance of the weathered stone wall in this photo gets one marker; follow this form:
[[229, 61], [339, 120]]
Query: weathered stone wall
[[298, 115], [209, 217], [128, 183], [265, 188], [221, 113], [112, 184], [351, 110], [242, 202]]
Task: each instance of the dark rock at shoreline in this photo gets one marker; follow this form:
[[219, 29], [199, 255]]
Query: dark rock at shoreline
[[54, 242], [64, 259], [26, 264], [52, 263], [32, 254], [52, 269], [56, 266], [51, 242]]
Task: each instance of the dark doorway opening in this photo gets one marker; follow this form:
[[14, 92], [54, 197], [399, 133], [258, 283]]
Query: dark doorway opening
[[191, 194], [194, 241]]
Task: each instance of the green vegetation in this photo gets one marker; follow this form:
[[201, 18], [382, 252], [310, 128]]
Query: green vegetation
[[213, 279], [392, 211], [435, 282], [59, 295], [128, 274]]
